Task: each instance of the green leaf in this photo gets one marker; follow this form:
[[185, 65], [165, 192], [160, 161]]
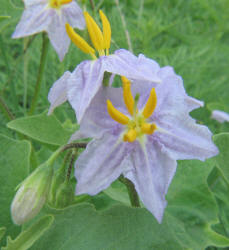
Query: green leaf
[[14, 167], [2, 232], [43, 128], [187, 222], [27, 238], [222, 160]]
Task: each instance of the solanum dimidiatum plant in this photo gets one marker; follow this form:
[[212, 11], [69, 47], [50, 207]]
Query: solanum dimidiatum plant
[[135, 135]]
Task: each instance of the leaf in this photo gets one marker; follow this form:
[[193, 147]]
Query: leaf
[[187, 222], [2, 232], [117, 191], [43, 128], [14, 167], [222, 160], [26, 239]]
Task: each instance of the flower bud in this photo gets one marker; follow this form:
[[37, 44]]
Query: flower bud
[[64, 195], [31, 194]]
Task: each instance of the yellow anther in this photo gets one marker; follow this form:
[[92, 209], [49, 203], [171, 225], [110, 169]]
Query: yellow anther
[[106, 30], [151, 104], [79, 41], [127, 95], [94, 32], [147, 128], [116, 115], [65, 1], [130, 136]]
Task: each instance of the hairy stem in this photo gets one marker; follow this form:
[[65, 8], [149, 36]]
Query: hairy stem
[[40, 74], [74, 145], [134, 200]]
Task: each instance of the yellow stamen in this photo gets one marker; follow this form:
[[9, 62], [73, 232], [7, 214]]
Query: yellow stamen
[[79, 41], [147, 128], [116, 115], [94, 32], [106, 30], [127, 95], [151, 104], [65, 1], [130, 136]]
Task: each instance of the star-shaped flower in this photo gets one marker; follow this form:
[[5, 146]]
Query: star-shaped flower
[[50, 16], [80, 87], [141, 136]]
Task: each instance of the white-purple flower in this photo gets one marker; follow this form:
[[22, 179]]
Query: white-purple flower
[[50, 16], [220, 116], [140, 131], [80, 87]]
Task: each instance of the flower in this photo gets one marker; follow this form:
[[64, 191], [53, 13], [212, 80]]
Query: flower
[[141, 136], [32, 194], [220, 116], [50, 16], [80, 87]]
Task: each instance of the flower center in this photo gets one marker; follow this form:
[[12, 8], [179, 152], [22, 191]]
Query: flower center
[[137, 126], [56, 4], [100, 40]]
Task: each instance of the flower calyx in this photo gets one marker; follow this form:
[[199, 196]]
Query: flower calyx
[[136, 125]]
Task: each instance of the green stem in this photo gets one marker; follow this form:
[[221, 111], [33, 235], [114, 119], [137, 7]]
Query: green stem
[[131, 191], [40, 74], [6, 111]]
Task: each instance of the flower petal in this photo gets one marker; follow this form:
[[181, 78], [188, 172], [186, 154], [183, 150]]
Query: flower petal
[[34, 19], [34, 2], [124, 63], [100, 164], [85, 82], [74, 15], [152, 173], [58, 35], [97, 121], [220, 116], [58, 92]]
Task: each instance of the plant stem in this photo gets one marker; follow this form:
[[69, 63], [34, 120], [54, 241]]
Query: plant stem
[[134, 200], [92, 5], [74, 145], [40, 73], [6, 111]]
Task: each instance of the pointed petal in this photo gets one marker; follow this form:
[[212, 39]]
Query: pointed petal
[[100, 164], [58, 35], [58, 92], [74, 15], [220, 116], [97, 121], [179, 133], [34, 2], [152, 173], [124, 63], [34, 19], [84, 84]]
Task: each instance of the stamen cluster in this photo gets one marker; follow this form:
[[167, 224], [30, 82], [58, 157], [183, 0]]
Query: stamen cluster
[[56, 4], [137, 125], [100, 40]]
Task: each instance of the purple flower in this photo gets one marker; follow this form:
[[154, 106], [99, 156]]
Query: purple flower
[[140, 131], [50, 16], [80, 87]]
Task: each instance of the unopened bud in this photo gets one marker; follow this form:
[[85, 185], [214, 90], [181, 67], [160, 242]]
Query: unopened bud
[[64, 195], [31, 194]]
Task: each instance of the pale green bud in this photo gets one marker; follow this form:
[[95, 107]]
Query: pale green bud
[[32, 194], [64, 195]]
